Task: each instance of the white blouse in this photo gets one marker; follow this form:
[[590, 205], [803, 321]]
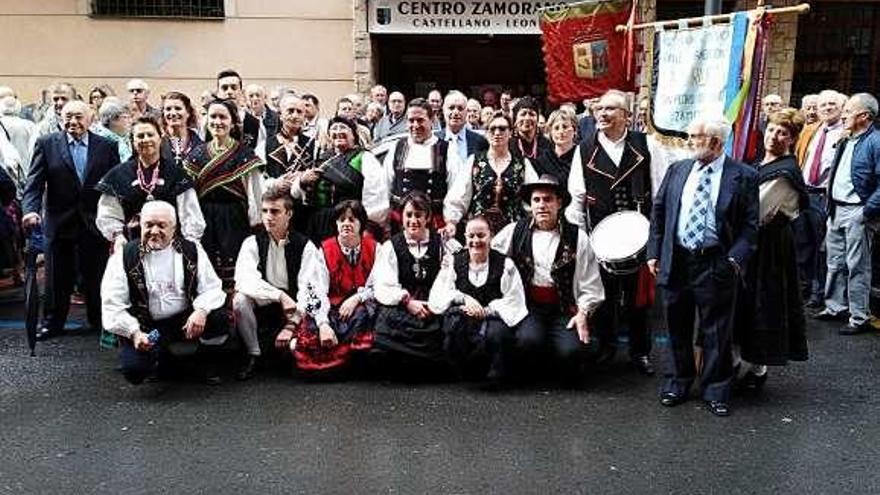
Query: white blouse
[[388, 290], [111, 217], [511, 307]]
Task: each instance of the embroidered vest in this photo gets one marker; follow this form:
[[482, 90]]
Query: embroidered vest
[[417, 276], [562, 271], [345, 278], [495, 197], [133, 263], [611, 188]]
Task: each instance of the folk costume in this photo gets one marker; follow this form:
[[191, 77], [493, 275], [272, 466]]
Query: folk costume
[[559, 166], [490, 194], [265, 270], [770, 323], [561, 277], [474, 345], [175, 149], [144, 290], [126, 188], [405, 269], [430, 167], [608, 177], [348, 274], [229, 184]]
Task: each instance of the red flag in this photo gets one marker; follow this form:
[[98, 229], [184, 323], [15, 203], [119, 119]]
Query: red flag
[[582, 51]]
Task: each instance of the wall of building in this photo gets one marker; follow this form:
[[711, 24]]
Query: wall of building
[[305, 44]]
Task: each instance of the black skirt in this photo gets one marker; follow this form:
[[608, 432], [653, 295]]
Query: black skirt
[[397, 331]]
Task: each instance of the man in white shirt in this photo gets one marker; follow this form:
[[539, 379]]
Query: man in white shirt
[[279, 287], [255, 96], [159, 291], [421, 162], [464, 141]]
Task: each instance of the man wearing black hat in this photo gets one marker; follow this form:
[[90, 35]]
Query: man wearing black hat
[[561, 276]]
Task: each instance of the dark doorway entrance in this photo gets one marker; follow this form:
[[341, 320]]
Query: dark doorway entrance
[[416, 64]]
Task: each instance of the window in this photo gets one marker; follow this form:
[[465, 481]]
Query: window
[[191, 9]]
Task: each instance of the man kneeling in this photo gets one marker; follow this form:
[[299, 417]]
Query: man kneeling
[[159, 291], [273, 265], [482, 296]]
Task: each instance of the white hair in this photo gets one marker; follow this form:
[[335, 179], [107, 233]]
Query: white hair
[[772, 97], [719, 128], [76, 106], [287, 97], [866, 102], [808, 98], [830, 94], [111, 109], [137, 83], [454, 95], [158, 206], [255, 87]]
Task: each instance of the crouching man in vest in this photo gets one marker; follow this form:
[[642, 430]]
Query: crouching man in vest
[[561, 277], [159, 291], [279, 285]]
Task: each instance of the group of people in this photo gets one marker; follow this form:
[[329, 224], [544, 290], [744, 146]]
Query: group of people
[[420, 238]]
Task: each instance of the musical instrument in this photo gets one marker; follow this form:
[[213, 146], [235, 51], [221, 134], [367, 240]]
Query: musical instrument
[[619, 242]]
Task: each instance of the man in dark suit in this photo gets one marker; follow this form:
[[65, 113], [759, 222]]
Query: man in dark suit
[[267, 118], [703, 230], [67, 165], [229, 88], [465, 141]]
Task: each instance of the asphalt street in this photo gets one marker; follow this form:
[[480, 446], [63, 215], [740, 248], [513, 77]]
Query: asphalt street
[[70, 424]]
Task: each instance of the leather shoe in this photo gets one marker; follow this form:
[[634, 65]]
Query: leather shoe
[[671, 399], [827, 315], [752, 382], [44, 333], [643, 365], [718, 408], [851, 329], [248, 369]]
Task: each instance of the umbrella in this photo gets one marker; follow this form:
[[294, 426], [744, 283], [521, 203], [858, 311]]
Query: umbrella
[[31, 293]]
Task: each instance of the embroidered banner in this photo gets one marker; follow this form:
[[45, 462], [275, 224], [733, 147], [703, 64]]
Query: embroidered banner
[[583, 55]]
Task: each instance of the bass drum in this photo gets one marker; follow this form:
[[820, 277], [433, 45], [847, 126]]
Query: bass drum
[[619, 242]]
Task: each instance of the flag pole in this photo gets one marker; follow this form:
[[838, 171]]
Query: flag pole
[[566, 5], [796, 9]]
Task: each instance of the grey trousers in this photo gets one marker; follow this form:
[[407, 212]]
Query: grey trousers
[[848, 245]]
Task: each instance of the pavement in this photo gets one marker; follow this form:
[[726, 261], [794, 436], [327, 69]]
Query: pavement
[[70, 424]]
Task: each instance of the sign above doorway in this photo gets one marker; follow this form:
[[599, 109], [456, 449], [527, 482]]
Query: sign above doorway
[[456, 17]]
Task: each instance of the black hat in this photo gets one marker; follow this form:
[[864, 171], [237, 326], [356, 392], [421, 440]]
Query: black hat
[[546, 181]]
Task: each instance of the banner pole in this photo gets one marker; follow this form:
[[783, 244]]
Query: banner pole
[[796, 9]]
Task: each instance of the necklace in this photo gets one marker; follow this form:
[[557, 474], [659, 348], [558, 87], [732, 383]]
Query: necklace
[[145, 186], [533, 153]]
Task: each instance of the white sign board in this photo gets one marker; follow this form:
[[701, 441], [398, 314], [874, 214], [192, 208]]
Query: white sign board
[[691, 76], [456, 17]]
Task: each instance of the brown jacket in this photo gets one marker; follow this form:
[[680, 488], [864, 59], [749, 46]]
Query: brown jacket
[[802, 147]]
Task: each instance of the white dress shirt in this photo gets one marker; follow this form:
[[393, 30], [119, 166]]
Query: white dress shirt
[[312, 280], [511, 307], [843, 190], [163, 275], [587, 284], [828, 151], [458, 201]]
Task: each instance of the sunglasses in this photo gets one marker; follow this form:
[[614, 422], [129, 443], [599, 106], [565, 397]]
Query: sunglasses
[[498, 128]]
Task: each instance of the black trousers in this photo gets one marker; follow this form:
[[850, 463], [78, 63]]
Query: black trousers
[[69, 260], [620, 308], [702, 289], [477, 348], [809, 233], [545, 332], [138, 365]]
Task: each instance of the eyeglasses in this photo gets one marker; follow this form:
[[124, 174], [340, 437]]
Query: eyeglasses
[[498, 128]]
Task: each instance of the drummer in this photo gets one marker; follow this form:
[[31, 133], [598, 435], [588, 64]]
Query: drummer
[[611, 171]]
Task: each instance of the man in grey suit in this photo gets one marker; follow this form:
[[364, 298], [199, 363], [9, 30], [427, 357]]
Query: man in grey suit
[[66, 167]]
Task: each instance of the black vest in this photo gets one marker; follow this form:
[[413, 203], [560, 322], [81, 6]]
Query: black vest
[[417, 277], [489, 291], [611, 188], [431, 182], [133, 263], [562, 272], [293, 252]]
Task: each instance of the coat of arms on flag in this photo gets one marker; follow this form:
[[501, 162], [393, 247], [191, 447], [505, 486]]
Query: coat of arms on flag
[[591, 59]]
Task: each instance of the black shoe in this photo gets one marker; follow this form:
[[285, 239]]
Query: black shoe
[[851, 329], [210, 374], [751, 382], [827, 315], [718, 408], [814, 305], [248, 369], [671, 399], [643, 365], [44, 333]]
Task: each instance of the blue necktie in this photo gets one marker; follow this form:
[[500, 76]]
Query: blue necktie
[[695, 229], [78, 151]]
